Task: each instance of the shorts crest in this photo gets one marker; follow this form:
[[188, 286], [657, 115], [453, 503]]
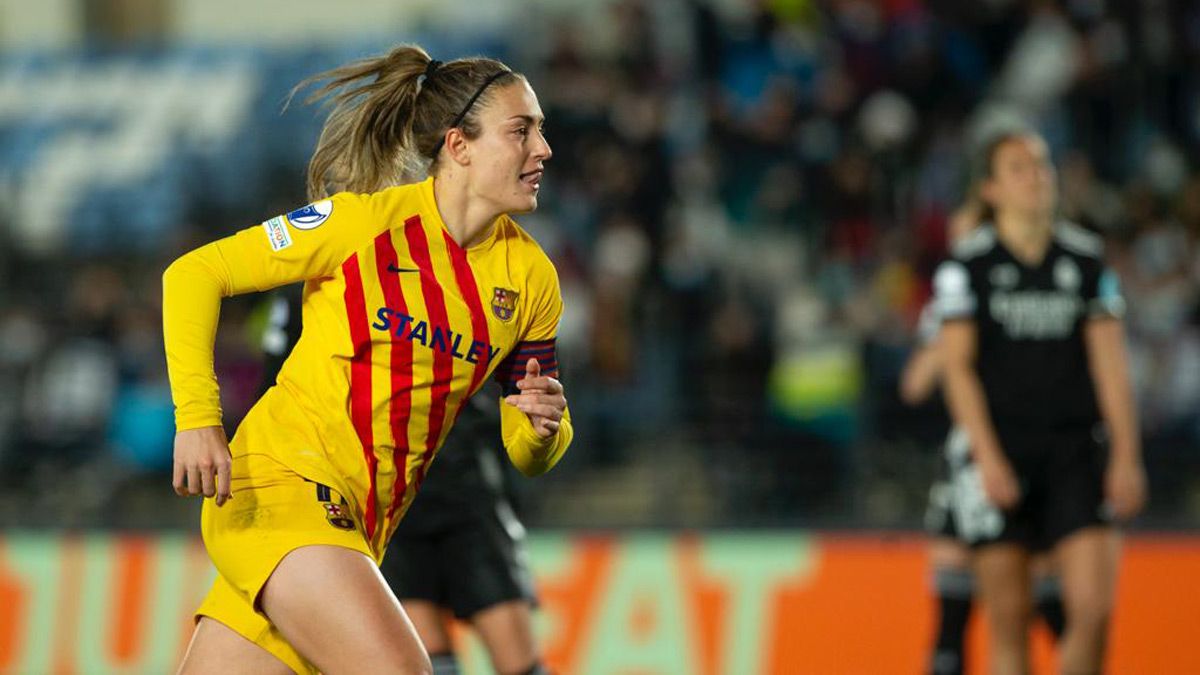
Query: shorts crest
[[338, 517]]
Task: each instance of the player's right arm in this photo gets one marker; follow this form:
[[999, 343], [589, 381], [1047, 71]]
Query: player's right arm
[[274, 253], [957, 305], [921, 374]]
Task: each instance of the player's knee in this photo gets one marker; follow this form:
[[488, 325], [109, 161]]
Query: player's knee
[[1090, 614], [1009, 612]]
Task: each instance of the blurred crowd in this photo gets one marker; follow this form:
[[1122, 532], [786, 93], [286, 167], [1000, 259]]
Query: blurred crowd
[[745, 204]]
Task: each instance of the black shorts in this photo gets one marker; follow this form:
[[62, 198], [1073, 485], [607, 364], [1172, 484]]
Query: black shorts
[[465, 567], [1061, 477]]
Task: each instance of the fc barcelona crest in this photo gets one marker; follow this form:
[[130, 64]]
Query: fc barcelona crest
[[338, 517], [504, 303]]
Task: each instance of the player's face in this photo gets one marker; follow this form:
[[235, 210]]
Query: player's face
[[507, 158], [1022, 179]]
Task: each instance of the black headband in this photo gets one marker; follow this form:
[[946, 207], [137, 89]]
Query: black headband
[[467, 108]]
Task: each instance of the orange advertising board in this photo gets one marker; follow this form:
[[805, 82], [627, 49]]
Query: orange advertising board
[[731, 603]]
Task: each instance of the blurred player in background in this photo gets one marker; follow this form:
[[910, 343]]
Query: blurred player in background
[[949, 556], [1035, 373], [460, 548], [415, 293]]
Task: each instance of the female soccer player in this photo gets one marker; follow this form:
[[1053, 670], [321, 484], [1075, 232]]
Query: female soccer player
[[949, 555], [414, 294], [1036, 374]]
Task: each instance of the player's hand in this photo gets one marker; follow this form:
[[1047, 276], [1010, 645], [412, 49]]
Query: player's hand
[[541, 399], [1125, 488], [202, 463], [999, 482]]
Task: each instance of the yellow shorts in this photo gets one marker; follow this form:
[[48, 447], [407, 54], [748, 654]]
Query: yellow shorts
[[274, 511]]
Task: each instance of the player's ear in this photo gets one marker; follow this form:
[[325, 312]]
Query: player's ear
[[457, 147]]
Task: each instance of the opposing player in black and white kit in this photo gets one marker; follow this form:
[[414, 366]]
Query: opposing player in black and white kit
[[949, 555], [460, 549], [1036, 375]]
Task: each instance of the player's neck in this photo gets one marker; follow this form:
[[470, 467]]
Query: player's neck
[[1026, 237], [469, 221]]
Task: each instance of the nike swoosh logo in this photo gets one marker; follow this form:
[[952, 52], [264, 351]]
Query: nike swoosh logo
[[394, 269]]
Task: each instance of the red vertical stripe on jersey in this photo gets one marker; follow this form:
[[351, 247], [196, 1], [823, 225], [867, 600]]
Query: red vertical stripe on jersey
[[470, 293], [360, 377], [443, 365], [402, 367], [479, 324]]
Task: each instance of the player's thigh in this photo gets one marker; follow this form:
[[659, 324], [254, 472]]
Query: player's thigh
[[332, 605], [1002, 580], [506, 629], [430, 622], [217, 649], [1087, 561], [947, 553]]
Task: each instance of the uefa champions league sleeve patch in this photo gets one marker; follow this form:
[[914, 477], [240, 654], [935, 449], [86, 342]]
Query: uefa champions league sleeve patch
[[1109, 300], [310, 217], [953, 297], [277, 233]]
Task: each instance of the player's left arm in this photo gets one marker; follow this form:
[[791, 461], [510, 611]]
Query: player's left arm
[[534, 420], [1104, 337]]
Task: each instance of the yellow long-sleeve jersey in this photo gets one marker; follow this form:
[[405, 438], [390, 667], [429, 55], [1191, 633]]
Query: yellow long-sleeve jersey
[[400, 326]]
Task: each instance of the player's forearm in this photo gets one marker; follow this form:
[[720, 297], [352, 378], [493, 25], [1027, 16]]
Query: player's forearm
[[1110, 373], [968, 408], [193, 287], [920, 376], [529, 452]]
